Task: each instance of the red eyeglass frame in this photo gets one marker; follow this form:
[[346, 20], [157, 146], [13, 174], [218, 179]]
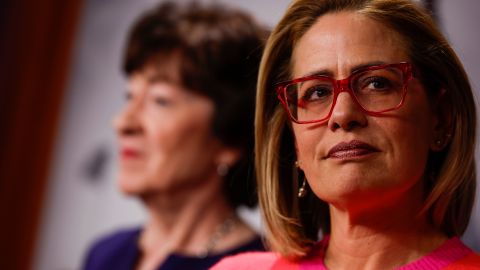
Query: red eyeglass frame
[[344, 85]]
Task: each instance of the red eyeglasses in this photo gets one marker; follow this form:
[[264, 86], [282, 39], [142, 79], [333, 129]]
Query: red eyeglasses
[[376, 90]]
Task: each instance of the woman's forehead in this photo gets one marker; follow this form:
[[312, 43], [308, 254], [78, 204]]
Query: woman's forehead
[[164, 67], [339, 41]]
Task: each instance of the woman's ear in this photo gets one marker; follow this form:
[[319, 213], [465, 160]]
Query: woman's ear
[[228, 156], [443, 122]]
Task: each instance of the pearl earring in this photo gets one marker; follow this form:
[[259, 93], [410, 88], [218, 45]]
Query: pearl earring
[[222, 169], [302, 191]]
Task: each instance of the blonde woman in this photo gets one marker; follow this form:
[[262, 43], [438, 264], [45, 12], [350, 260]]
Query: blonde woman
[[365, 133]]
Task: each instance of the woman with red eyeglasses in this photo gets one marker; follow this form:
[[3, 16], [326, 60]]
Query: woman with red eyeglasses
[[365, 138]]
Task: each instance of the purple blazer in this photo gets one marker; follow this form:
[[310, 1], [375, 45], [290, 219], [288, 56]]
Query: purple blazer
[[119, 251]]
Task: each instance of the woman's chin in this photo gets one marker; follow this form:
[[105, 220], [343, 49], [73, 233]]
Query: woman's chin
[[130, 186]]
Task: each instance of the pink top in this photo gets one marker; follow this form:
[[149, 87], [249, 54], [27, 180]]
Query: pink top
[[452, 255]]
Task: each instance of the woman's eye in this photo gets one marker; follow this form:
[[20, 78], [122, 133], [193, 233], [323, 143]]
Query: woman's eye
[[162, 101], [317, 93], [377, 83]]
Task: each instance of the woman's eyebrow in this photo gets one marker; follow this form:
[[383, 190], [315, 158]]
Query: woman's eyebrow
[[159, 77], [329, 73], [366, 65], [322, 72]]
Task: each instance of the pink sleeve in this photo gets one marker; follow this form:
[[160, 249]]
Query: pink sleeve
[[247, 261]]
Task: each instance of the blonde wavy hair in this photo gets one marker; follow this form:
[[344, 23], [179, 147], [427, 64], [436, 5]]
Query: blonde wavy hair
[[293, 224]]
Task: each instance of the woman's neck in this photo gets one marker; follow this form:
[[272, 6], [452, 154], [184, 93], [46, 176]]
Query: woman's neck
[[186, 223], [385, 237]]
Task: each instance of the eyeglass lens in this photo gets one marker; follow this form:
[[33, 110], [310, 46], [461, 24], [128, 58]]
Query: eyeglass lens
[[375, 90]]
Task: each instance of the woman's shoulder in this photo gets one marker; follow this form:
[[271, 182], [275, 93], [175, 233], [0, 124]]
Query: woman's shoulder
[[255, 261], [469, 262], [117, 238], [453, 254], [247, 260], [109, 248]]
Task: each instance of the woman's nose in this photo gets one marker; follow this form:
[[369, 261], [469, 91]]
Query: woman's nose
[[127, 121], [346, 114]]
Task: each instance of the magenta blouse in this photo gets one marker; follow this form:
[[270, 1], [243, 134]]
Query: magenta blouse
[[451, 255]]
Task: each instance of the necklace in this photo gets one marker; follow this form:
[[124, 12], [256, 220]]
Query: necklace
[[221, 231]]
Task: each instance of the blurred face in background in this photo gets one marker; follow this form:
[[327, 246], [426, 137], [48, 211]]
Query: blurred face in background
[[164, 132]]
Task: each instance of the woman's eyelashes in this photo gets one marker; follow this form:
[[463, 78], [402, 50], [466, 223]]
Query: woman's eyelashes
[[162, 101], [161, 98], [317, 93], [377, 84], [156, 99]]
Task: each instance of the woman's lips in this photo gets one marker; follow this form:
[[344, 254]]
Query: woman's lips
[[128, 153], [352, 149]]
